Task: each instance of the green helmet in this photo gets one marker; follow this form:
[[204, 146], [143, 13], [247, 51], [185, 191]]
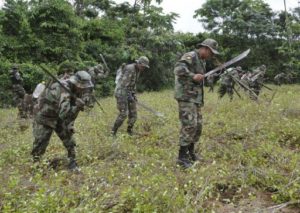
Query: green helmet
[[81, 79], [211, 44], [144, 61]]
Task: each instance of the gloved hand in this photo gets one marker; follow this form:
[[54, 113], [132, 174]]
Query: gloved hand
[[134, 97], [79, 103]]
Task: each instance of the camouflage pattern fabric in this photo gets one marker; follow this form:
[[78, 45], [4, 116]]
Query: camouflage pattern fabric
[[256, 82], [185, 69], [227, 83], [18, 92], [42, 135], [189, 95], [56, 111], [97, 73], [127, 81], [210, 82], [191, 123], [125, 92], [279, 78], [126, 107]]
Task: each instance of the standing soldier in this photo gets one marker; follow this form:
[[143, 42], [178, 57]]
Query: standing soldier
[[189, 74], [256, 81], [127, 76], [18, 90], [57, 112]]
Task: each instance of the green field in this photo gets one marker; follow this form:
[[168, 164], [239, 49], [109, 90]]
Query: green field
[[251, 153]]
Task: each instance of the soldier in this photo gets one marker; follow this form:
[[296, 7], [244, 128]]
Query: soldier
[[127, 76], [57, 112], [189, 74], [210, 81], [279, 78], [18, 90], [256, 81], [227, 81], [97, 73]]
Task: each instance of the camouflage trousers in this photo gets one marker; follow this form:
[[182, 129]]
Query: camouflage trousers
[[125, 107], [191, 123], [223, 89], [42, 135], [19, 93]]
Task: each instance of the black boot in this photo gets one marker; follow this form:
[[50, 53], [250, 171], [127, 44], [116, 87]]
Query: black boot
[[114, 130], [73, 165], [192, 154], [129, 131], [183, 157]]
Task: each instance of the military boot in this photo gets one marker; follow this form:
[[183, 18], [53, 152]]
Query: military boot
[[183, 157], [73, 166], [129, 130], [72, 162], [114, 130], [192, 154]]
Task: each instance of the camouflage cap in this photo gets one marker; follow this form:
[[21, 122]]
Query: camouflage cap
[[81, 79], [98, 68], [211, 44], [144, 61]]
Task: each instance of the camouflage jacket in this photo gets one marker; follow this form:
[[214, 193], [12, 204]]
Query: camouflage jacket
[[186, 89], [56, 105], [98, 74], [126, 82], [227, 77]]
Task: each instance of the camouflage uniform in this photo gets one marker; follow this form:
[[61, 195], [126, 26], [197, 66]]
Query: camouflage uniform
[[227, 82], [189, 95], [125, 91], [57, 112], [256, 81], [210, 82], [18, 90], [279, 78], [97, 73]]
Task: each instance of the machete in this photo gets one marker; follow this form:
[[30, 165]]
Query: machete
[[228, 63]]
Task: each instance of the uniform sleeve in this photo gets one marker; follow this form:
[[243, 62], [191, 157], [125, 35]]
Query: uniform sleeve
[[66, 109], [181, 68]]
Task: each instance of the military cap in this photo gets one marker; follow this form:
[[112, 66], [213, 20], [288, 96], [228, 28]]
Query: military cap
[[81, 79], [144, 61], [211, 44]]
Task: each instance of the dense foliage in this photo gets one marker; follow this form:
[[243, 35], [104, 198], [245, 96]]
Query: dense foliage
[[54, 31]]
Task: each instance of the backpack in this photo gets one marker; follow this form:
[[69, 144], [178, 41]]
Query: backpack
[[119, 73]]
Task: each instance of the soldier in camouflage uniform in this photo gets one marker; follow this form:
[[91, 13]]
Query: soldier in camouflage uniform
[[97, 73], [57, 112], [227, 81], [18, 90], [127, 76], [256, 81], [210, 81], [189, 75], [279, 78]]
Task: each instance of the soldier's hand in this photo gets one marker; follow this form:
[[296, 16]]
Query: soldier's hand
[[198, 77], [79, 103]]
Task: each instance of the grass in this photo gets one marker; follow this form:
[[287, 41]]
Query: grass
[[251, 154]]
